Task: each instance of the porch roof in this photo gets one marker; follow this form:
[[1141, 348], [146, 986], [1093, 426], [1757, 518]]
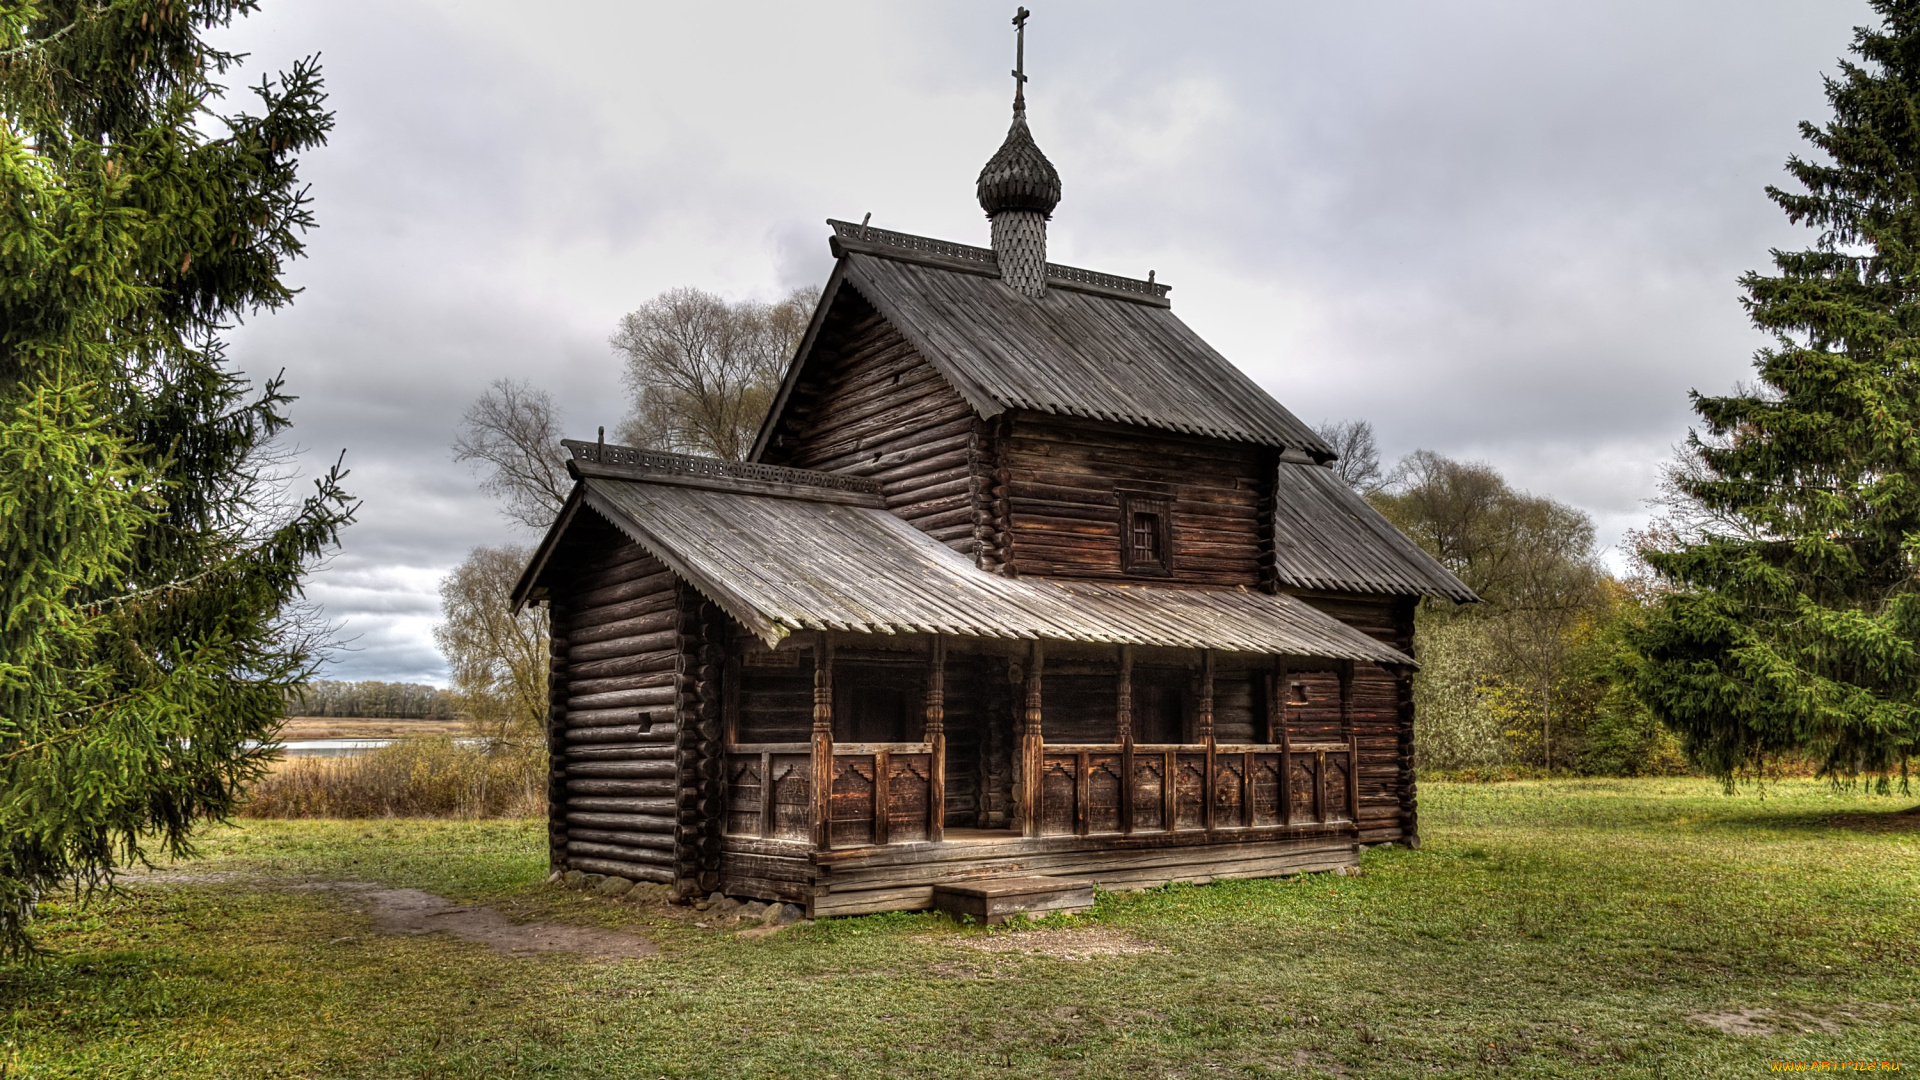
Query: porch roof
[[780, 562]]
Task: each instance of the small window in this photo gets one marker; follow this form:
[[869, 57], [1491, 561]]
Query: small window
[[1146, 534], [1298, 695]]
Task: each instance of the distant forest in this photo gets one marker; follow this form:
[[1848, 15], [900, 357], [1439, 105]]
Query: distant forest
[[378, 700]]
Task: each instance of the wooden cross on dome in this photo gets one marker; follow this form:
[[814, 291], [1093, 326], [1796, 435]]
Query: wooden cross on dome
[[1020, 62]]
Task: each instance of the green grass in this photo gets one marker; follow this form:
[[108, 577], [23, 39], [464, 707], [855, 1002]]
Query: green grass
[[1545, 929]]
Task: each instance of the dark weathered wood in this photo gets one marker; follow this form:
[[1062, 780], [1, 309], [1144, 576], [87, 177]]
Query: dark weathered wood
[[823, 743], [1353, 746], [1032, 743], [1204, 735], [936, 736], [1123, 724], [558, 623], [661, 875]]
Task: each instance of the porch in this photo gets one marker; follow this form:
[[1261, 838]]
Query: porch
[[879, 835]]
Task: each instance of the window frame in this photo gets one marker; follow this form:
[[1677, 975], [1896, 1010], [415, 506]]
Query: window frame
[[1132, 504]]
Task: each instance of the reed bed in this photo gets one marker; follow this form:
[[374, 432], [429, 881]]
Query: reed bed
[[421, 777]]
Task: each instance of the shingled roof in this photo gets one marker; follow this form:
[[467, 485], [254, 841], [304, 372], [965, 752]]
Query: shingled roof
[[1326, 537], [1096, 345], [782, 550]]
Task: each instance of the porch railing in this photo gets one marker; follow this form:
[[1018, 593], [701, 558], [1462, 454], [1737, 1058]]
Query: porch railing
[[857, 794], [1127, 788], [885, 792]]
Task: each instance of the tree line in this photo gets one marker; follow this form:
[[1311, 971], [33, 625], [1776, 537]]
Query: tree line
[[377, 700], [1528, 678]]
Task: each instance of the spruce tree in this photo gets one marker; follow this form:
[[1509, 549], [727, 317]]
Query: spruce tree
[[150, 562], [1791, 617]]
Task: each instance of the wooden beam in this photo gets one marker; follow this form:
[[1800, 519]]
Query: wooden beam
[[1282, 735], [882, 795], [823, 742], [1205, 734], [767, 804], [936, 737], [1123, 724], [1353, 741], [1032, 744]]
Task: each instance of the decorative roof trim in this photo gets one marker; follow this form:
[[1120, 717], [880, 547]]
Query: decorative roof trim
[[527, 588], [886, 243], [596, 459]]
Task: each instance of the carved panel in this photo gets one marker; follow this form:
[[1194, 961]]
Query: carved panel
[[745, 790], [1103, 793], [792, 798], [1189, 787], [908, 790], [851, 819], [1057, 789], [1148, 793], [1266, 789], [1227, 772], [1302, 788]]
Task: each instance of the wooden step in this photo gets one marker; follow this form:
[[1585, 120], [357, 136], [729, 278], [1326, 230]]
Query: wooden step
[[994, 900]]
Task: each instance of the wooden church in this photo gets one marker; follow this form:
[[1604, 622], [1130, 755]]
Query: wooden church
[[1024, 590]]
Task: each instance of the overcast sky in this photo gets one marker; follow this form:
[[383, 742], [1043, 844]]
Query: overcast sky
[[1502, 231]]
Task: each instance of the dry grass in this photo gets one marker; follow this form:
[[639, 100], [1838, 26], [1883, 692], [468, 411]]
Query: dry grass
[[431, 777], [365, 727]]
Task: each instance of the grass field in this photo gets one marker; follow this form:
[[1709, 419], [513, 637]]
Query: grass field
[[1650, 928]]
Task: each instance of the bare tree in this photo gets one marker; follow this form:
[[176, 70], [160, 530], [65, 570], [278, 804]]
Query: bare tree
[[703, 372], [1358, 463], [498, 659], [512, 435]]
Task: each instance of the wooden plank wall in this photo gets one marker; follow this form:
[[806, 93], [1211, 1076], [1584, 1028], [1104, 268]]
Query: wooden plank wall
[[869, 405], [1063, 509], [614, 685]]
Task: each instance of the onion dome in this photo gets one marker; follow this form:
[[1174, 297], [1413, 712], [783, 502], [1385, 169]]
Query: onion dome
[[1018, 176]]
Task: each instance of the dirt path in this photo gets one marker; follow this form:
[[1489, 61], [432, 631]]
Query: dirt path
[[412, 911]]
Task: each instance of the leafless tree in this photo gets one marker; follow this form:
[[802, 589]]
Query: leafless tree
[[511, 434], [703, 371], [498, 659], [1358, 463]]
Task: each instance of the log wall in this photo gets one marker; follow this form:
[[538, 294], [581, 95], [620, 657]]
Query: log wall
[[612, 726], [869, 405], [1383, 713], [1062, 480]]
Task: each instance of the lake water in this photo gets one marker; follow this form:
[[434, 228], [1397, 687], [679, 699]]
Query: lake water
[[297, 748]]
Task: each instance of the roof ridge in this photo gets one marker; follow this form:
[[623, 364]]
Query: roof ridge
[[985, 258]]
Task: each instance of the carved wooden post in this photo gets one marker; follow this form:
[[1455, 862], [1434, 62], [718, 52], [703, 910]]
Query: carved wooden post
[[1277, 711], [1032, 745], [1204, 731], [1123, 723], [823, 742], [936, 734]]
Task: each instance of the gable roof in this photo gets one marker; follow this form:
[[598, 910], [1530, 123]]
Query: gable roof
[[1096, 345], [778, 558], [1327, 537]]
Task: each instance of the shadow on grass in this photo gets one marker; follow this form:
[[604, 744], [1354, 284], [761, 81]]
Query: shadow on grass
[[1904, 820]]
